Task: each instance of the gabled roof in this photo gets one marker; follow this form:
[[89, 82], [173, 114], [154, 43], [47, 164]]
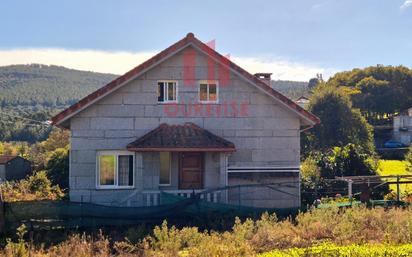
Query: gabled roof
[[6, 158], [181, 138], [189, 40]]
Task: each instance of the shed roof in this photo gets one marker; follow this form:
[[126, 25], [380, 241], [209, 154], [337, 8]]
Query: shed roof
[[6, 158], [181, 138]]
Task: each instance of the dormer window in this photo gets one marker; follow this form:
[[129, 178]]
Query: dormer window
[[167, 91], [208, 92]]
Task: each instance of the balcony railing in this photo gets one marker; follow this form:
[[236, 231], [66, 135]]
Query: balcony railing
[[152, 197]]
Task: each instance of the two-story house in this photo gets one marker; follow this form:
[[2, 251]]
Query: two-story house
[[188, 119]]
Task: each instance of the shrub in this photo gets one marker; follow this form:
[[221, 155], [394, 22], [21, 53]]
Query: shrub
[[316, 233], [348, 160], [35, 187], [408, 158], [19, 249], [57, 167]]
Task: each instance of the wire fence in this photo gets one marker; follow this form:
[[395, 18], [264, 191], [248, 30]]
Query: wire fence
[[233, 201]]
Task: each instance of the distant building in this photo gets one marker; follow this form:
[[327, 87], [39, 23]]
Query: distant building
[[13, 167], [402, 127], [302, 101]]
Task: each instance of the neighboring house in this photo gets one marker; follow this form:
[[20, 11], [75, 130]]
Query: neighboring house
[[402, 127], [186, 119], [302, 101], [13, 167]]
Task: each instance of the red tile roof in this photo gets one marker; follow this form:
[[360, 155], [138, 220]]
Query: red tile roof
[[6, 158], [189, 39], [180, 138]]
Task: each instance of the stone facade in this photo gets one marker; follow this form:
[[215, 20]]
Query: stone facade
[[265, 132]]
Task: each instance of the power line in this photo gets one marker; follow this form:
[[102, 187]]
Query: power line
[[43, 123]]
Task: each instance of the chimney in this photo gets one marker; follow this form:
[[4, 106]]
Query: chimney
[[265, 77]]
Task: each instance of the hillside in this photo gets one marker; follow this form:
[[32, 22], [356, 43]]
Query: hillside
[[30, 93], [292, 89], [51, 86], [36, 92]]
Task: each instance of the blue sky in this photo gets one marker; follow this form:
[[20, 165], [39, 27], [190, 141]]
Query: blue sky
[[294, 39]]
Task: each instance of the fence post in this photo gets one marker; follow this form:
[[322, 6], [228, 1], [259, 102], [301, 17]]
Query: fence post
[[398, 190], [2, 214], [350, 194]]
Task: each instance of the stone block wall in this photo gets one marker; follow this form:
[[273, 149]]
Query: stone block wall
[[264, 132]]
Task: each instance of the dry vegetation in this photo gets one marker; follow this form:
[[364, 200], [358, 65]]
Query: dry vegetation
[[356, 226], [34, 188]]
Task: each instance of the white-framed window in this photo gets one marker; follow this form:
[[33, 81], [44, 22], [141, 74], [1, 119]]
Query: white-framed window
[[208, 92], [165, 169], [115, 169], [167, 91]]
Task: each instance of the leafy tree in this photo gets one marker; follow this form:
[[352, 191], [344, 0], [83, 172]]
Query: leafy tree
[[350, 160], [313, 82], [340, 123], [40, 152], [379, 91], [58, 167]]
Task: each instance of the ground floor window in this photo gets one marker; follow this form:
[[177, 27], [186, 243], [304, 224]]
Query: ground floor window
[[165, 168], [115, 169]]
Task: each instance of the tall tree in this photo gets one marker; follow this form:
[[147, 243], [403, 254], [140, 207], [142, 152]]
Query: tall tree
[[340, 123], [378, 91]]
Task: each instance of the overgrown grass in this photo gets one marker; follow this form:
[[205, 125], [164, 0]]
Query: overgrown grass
[[315, 231], [394, 167]]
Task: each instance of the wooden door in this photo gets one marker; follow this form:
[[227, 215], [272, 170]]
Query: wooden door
[[191, 171]]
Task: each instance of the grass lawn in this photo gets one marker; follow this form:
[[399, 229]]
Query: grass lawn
[[328, 249], [394, 167]]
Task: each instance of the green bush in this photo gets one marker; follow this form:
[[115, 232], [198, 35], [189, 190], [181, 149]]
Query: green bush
[[33, 188], [408, 158], [348, 160], [57, 167]]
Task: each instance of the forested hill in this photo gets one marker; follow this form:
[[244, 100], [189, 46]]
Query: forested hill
[[31, 94], [48, 86], [292, 89]]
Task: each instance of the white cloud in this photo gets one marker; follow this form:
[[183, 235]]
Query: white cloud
[[282, 69], [121, 62], [406, 4], [90, 60]]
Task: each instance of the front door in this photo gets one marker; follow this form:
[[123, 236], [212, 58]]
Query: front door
[[191, 171]]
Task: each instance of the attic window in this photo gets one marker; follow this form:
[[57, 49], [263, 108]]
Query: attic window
[[208, 92], [167, 91]]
